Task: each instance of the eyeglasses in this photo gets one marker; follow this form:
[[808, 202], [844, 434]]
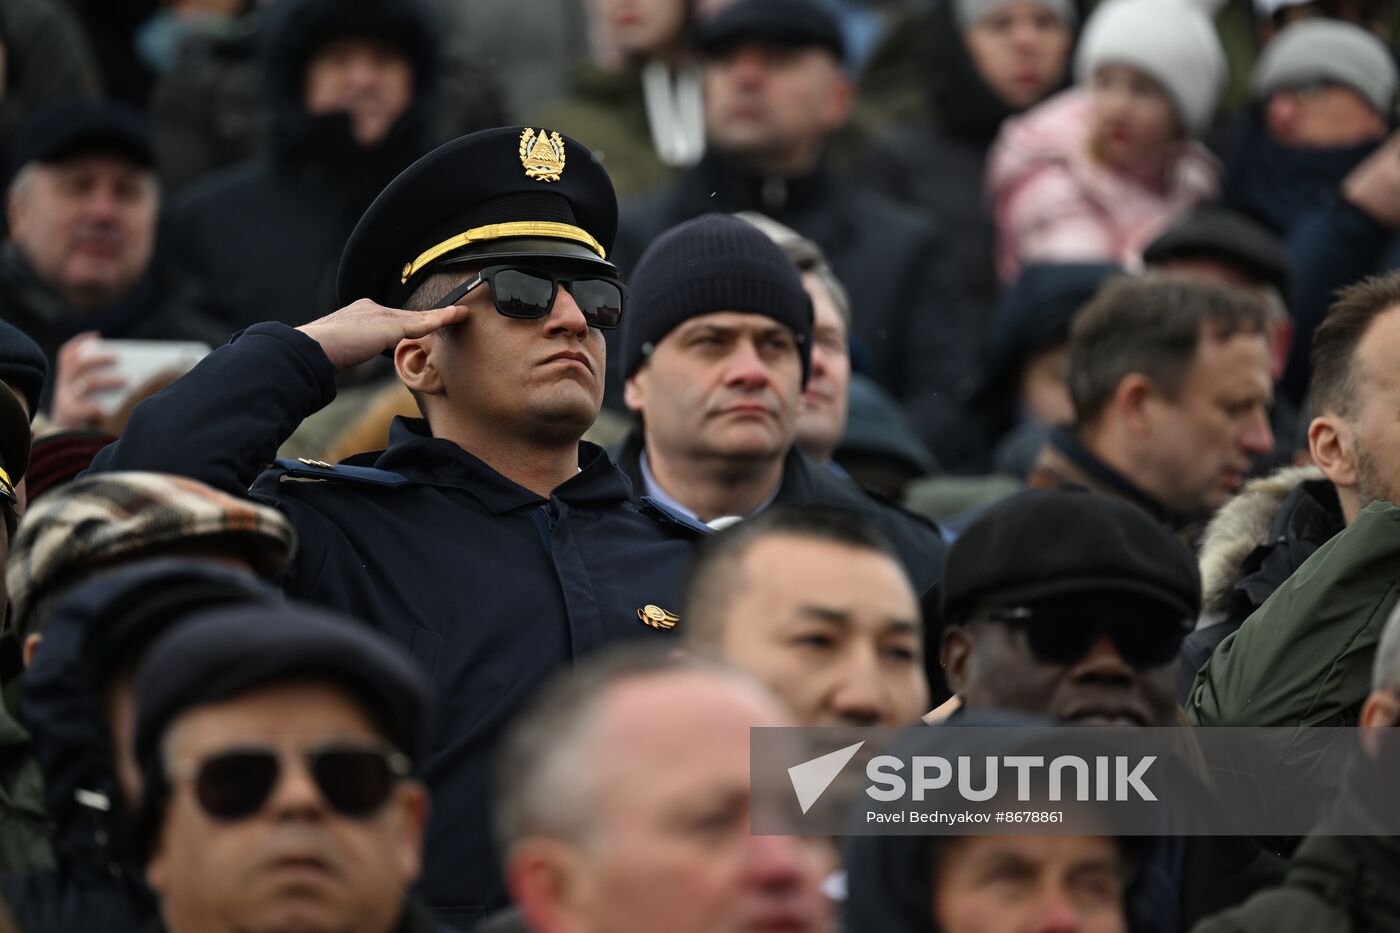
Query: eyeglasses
[[1064, 636], [354, 779], [528, 293]]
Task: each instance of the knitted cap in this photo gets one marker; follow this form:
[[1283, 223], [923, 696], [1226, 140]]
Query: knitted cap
[[98, 520], [1317, 51], [22, 365], [970, 11], [1172, 42], [709, 264]]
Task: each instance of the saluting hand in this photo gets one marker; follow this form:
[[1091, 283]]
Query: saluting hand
[[361, 331]]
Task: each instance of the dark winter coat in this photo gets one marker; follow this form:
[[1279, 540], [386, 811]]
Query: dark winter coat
[[490, 587], [98, 875], [907, 315], [806, 482], [1331, 243], [158, 308], [263, 238], [1342, 879]]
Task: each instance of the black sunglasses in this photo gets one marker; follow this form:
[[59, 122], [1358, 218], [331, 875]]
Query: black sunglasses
[[355, 780], [527, 293], [1064, 636]]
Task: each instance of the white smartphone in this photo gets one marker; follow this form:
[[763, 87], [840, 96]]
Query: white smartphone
[[139, 361]]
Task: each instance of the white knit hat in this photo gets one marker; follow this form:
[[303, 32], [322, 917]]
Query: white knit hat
[[1328, 50], [1170, 40]]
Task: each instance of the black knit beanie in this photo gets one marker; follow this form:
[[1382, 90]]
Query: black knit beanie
[[709, 264]]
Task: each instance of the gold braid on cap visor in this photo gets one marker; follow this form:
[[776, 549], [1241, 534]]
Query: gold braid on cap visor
[[533, 228], [7, 487]]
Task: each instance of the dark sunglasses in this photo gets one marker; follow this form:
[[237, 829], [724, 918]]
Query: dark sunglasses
[[355, 780], [1065, 637], [527, 293]]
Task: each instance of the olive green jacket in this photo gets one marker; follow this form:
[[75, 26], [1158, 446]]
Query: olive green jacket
[[1305, 656]]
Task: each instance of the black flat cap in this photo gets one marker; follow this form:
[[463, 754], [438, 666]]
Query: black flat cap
[[509, 193], [77, 127], [1226, 236], [1048, 544], [787, 23], [223, 653]]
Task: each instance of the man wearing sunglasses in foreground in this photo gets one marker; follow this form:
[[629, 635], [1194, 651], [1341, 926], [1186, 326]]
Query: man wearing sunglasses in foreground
[[276, 746], [487, 541], [1073, 605]]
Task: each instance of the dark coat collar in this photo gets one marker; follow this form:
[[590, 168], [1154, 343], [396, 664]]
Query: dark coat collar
[[434, 461]]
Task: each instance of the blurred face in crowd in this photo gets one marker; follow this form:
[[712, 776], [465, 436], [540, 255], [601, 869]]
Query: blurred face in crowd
[[822, 420], [1021, 50], [642, 28], [1360, 453], [86, 224], [774, 106], [1135, 122], [1323, 116], [832, 629], [1193, 450], [369, 79], [296, 863], [1028, 884], [720, 387], [668, 845], [493, 375], [1064, 661]]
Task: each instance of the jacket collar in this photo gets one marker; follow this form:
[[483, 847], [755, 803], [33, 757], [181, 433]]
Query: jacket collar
[[1096, 474], [433, 461], [718, 183]]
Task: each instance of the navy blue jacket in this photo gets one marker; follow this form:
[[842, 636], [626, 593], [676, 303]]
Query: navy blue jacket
[[489, 586]]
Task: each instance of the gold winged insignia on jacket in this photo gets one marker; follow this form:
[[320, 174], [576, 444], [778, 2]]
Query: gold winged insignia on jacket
[[657, 617]]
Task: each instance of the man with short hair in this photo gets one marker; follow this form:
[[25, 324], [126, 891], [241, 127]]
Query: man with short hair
[[1171, 387], [1310, 160], [80, 260], [1215, 244], [615, 818], [1261, 539], [487, 540], [814, 603], [775, 93], [1334, 597], [716, 357], [278, 747]]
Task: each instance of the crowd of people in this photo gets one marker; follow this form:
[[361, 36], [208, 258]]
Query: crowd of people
[[435, 433]]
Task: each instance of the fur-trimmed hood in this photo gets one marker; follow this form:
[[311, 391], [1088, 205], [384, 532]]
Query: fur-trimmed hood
[[1287, 508]]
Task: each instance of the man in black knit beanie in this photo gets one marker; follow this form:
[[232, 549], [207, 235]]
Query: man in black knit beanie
[[715, 352]]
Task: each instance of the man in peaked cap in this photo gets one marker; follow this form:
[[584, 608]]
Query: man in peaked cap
[[487, 540]]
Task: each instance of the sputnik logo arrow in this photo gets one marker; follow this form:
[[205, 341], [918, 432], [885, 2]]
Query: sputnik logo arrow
[[811, 778]]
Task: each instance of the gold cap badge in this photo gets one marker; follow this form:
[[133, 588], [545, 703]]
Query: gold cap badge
[[542, 156], [657, 617]]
